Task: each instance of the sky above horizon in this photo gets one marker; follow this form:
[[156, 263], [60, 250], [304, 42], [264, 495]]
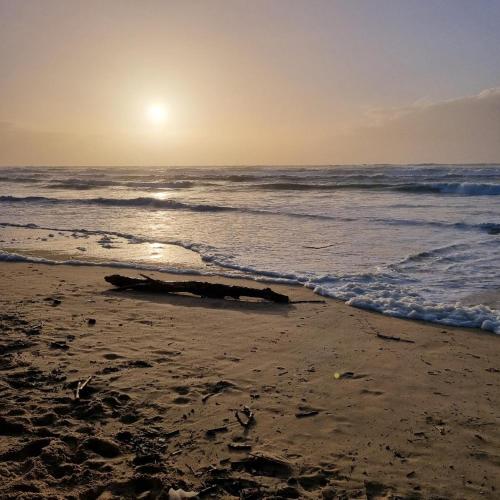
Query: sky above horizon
[[249, 82]]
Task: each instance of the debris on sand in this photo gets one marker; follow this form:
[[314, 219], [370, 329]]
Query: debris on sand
[[264, 464], [245, 417], [239, 446], [216, 430], [80, 386], [202, 289], [396, 339], [217, 388], [306, 413]]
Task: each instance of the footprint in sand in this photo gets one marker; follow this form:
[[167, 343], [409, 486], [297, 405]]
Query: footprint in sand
[[29, 450], [182, 390], [377, 491], [372, 393], [129, 418], [167, 353], [350, 375], [181, 400], [112, 356]]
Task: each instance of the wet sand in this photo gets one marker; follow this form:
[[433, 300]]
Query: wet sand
[[342, 409]]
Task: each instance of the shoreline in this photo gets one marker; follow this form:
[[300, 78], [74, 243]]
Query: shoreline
[[184, 261], [342, 409]]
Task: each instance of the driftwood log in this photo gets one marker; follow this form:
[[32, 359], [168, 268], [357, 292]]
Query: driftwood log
[[202, 289]]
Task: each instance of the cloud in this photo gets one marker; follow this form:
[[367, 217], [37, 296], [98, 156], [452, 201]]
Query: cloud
[[459, 130]]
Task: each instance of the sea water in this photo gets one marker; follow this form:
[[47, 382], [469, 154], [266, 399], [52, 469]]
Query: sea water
[[412, 241]]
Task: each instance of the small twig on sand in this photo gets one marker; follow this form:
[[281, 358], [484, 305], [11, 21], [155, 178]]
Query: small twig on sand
[[206, 396], [216, 430], [80, 386], [304, 414], [193, 471], [239, 446], [397, 339], [171, 434]]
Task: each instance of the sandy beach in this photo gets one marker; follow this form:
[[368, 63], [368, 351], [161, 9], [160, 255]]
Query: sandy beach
[[341, 408], [299, 202]]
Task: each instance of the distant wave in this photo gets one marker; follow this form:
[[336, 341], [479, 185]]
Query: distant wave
[[145, 202], [451, 188], [79, 185], [490, 228], [448, 188], [487, 227], [87, 184], [412, 179], [159, 204], [19, 180], [455, 188]]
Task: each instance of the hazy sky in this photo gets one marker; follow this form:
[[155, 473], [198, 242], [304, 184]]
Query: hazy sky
[[249, 82]]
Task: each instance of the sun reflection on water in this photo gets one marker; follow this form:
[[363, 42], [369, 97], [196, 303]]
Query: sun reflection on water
[[157, 251], [161, 195]]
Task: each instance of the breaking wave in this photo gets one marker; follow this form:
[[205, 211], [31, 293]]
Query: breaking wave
[[145, 202], [453, 188], [384, 294], [159, 204], [449, 188], [87, 184]]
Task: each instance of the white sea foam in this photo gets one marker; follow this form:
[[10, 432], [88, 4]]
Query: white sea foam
[[17, 257], [401, 302]]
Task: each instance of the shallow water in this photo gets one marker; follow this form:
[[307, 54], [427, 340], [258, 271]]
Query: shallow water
[[411, 241]]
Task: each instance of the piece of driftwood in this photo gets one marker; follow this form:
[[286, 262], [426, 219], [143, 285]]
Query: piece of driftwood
[[202, 289]]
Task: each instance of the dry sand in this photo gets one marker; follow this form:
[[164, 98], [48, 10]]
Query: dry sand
[[394, 419]]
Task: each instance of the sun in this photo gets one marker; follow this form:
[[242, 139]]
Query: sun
[[157, 113]]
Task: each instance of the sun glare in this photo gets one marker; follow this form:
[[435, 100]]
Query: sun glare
[[157, 113]]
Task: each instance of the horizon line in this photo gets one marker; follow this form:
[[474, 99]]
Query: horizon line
[[258, 165]]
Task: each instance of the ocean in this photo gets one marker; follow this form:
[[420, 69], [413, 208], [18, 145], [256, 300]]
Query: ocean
[[411, 241]]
